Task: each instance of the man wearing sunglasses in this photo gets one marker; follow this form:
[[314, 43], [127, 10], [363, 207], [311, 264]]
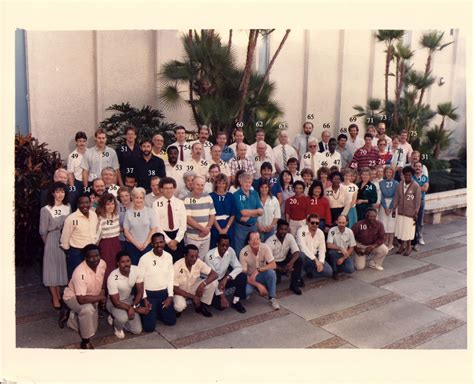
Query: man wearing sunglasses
[[310, 240]]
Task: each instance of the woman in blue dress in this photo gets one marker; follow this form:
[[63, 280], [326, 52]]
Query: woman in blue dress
[[366, 195], [225, 210]]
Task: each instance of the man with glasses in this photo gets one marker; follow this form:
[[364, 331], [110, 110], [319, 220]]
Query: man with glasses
[[312, 158]]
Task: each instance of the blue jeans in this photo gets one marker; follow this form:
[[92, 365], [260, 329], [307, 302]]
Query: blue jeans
[[347, 266], [167, 316], [241, 232], [310, 266], [268, 279], [74, 258]]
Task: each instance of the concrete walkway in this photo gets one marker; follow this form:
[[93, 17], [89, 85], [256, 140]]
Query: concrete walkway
[[416, 302]]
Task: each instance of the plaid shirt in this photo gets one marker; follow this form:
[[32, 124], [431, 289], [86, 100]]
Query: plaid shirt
[[246, 164]]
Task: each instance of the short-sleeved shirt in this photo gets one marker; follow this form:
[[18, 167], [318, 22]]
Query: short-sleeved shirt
[[296, 207], [123, 285], [157, 271], [341, 239], [95, 161], [222, 264], [140, 222], [185, 278], [421, 181], [279, 249], [242, 201], [145, 170], [271, 211], [250, 262], [200, 209], [85, 281], [201, 167], [176, 172], [328, 159], [74, 161]]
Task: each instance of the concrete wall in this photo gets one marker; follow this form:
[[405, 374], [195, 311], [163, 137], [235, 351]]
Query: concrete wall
[[74, 76]]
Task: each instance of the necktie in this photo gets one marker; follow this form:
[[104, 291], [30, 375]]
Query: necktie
[[285, 157], [170, 216], [306, 148], [325, 147], [181, 152]]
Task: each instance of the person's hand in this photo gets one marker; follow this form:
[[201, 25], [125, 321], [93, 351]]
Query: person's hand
[[142, 310], [359, 201], [173, 245], [376, 206], [200, 289], [262, 290], [369, 249], [340, 260], [319, 266], [224, 231], [167, 302], [387, 211], [196, 301], [244, 219], [204, 232], [131, 313], [359, 250], [222, 284], [288, 267], [224, 302]]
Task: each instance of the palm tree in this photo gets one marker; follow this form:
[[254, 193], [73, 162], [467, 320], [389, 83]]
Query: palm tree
[[388, 36], [438, 139], [402, 54]]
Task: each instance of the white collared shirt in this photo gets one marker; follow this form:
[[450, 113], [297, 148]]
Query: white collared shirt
[[221, 264], [278, 155], [310, 245], [157, 271], [279, 249], [123, 285], [160, 209], [344, 239]]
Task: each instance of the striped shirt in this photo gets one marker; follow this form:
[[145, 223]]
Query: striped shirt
[[200, 209], [364, 157], [108, 228]]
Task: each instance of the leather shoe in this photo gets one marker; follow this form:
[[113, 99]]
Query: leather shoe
[[239, 307], [295, 290], [86, 345], [203, 311], [63, 317], [301, 283], [336, 276]]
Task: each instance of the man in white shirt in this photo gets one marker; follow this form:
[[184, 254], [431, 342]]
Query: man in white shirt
[[340, 244], [404, 144], [203, 136], [155, 193], [224, 261], [381, 129], [260, 137], [312, 158], [196, 163], [216, 152], [175, 168], [261, 157], [157, 270], [354, 142], [330, 157], [184, 148], [283, 151], [287, 255], [171, 214], [301, 141], [310, 240]]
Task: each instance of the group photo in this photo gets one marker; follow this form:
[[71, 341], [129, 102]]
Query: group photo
[[241, 188]]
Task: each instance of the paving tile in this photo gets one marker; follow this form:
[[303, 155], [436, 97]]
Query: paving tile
[[455, 339], [190, 322], [386, 324], [318, 302], [457, 309], [432, 244], [285, 332], [455, 259], [393, 264], [32, 302], [428, 285], [146, 341]]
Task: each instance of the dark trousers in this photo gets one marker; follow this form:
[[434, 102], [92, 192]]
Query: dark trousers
[[239, 283], [135, 253], [166, 316], [297, 269], [74, 258], [179, 253]]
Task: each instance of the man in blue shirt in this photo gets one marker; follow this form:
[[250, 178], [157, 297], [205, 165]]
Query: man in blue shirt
[[248, 208], [227, 152]]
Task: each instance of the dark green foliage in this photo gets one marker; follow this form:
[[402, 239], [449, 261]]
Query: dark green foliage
[[34, 169]]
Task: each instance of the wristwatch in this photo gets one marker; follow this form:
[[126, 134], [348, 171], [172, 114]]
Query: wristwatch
[[135, 306]]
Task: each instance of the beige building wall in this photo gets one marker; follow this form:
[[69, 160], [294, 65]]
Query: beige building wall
[[74, 76]]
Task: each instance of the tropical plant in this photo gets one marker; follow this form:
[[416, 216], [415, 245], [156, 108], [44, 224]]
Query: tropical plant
[[402, 54], [34, 169], [147, 120], [373, 112], [439, 136]]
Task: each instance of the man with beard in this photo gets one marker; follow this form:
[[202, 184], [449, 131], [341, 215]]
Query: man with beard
[[203, 136], [300, 143], [147, 166]]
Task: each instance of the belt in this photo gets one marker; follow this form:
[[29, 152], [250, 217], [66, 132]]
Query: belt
[[222, 217], [245, 225]]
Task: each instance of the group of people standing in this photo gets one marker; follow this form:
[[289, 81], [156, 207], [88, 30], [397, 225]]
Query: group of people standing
[[141, 231]]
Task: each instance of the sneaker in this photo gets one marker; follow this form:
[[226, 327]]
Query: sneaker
[[296, 290], [421, 241], [110, 320], [119, 333], [377, 267], [372, 264], [274, 303]]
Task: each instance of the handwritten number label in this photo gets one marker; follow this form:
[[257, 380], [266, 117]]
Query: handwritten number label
[[57, 212], [75, 155], [82, 277], [129, 170], [105, 154], [303, 234], [151, 172], [75, 222], [179, 167], [371, 163], [310, 116], [389, 184], [410, 197], [363, 227], [326, 125], [116, 277], [136, 214], [87, 189], [352, 188], [190, 167], [221, 198], [353, 119], [293, 201], [109, 222], [363, 152], [123, 148], [160, 203], [72, 188]]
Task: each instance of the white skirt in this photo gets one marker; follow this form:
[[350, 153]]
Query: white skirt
[[387, 221], [404, 228]]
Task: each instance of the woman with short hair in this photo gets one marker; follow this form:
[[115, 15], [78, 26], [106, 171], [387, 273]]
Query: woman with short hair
[[225, 210], [388, 188], [367, 193], [271, 211]]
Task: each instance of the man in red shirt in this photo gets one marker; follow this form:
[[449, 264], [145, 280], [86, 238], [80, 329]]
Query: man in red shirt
[[366, 156]]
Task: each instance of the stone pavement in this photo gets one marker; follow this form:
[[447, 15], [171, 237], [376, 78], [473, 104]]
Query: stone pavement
[[416, 302]]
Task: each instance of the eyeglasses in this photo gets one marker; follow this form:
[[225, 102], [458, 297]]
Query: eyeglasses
[[311, 146], [314, 222]]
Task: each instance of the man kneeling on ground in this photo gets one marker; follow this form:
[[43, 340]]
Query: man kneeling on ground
[[340, 245]]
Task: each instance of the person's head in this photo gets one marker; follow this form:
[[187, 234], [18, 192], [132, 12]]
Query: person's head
[[241, 149], [238, 135], [216, 152], [145, 146], [266, 170], [335, 178], [158, 141], [259, 135], [403, 136], [198, 185], [57, 194], [308, 128], [221, 183], [323, 174], [415, 156], [342, 140], [381, 128], [332, 144], [98, 186], [91, 256], [223, 243], [81, 141], [158, 243], [196, 150], [188, 179], [107, 205], [371, 129], [130, 134], [373, 173], [313, 221], [316, 189], [408, 173], [293, 164], [353, 130], [236, 183], [180, 134], [368, 139], [191, 254], [308, 175], [138, 196], [313, 145], [203, 133], [155, 185], [173, 153], [418, 167], [286, 178], [395, 142], [264, 188], [298, 187], [109, 175], [100, 138], [348, 175], [283, 137], [130, 180], [214, 170], [123, 262], [245, 181], [167, 186], [221, 139], [60, 174], [341, 222], [124, 195], [84, 204], [253, 239], [371, 215], [261, 148], [282, 228], [325, 136], [379, 172], [382, 145], [388, 173], [364, 174]]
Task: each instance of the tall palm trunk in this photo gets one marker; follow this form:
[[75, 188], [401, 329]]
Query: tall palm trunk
[[427, 71], [388, 58], [396, 106], [229, 43]]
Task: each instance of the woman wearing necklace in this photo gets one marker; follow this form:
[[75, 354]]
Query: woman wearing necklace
[[388, 188], [407, 202], [339, 199], [52, 217], [351, 188], [366, 195], [225, 210], [319, 205]]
